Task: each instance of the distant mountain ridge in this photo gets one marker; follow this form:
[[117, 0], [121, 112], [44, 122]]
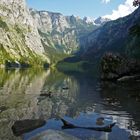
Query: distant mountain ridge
[[101, 20], [60, 34], [114, 36]]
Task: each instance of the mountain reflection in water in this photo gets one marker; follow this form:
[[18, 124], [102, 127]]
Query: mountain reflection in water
[[78, 96]]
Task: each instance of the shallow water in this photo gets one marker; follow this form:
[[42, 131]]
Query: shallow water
[[82, 102]]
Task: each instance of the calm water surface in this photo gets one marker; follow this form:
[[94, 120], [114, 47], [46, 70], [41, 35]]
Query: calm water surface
[[82, 103]]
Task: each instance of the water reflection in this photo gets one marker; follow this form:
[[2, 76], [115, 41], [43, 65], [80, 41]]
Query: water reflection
[[80, 97], [122, 100], [20, 96], [18, 92]]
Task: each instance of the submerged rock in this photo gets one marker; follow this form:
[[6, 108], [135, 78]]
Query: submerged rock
[[24, 126], [129, 78], [106, 128], [53, 135]]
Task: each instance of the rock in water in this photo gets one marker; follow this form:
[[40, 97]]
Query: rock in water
[[24, 126], [129, 78], [53, 135]]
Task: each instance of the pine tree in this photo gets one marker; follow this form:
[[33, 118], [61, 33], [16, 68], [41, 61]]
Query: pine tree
[[136, 3]]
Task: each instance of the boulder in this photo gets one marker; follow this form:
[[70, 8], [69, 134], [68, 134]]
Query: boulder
[[129, 78], [24, 126]]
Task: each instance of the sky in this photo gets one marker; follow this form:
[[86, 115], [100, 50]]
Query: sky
[[112, 9]]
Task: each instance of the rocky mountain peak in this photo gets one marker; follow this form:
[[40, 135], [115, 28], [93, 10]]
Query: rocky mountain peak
[[47, 21], [101, 20], [16, 10], [88, 20]]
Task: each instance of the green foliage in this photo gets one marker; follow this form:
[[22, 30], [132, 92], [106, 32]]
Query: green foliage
[[4, 55], [133, 47], [54, 52], [54, 55], [110, 62], [20, 31], [135, 30], [32, 59], [136, 3], [133, 44]]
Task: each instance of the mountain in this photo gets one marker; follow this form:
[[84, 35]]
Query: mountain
[[114, 36], [37, 37], [19, 37], [88, 20], [60, 34], [101, 20], [98, 21]]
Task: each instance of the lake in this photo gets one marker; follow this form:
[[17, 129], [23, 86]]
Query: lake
[[79, 98]]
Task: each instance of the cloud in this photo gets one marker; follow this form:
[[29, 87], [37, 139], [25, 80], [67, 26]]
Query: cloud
[[105, 1], [123, 10]]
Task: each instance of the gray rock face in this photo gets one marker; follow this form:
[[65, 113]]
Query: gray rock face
[[101, 20], [88, 20], [49, 21], [16, 10], [60, 33], [19, 35]]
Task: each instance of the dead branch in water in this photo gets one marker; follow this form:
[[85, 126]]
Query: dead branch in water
[[68, 125]]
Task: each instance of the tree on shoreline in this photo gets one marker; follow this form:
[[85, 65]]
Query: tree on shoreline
[[136, 3]]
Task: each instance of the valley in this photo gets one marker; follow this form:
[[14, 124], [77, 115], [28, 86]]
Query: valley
[[68, 77]]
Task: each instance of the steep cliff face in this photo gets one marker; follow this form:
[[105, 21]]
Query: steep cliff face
[[114, 36], [48, 21], [19, 37], [60, 34]]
